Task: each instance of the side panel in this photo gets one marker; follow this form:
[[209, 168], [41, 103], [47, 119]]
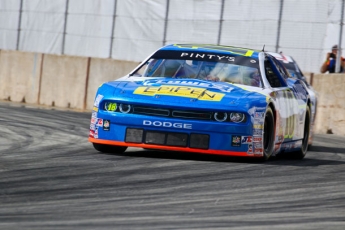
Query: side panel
[[290, 111]]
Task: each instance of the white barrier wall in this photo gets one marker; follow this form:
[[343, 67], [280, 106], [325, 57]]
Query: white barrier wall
[[63, 81], [331, 103], [19, 76]]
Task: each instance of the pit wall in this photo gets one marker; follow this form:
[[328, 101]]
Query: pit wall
[[72, 82], [54, 80]]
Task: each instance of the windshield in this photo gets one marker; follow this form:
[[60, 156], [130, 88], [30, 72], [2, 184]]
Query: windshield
[[232, 71]]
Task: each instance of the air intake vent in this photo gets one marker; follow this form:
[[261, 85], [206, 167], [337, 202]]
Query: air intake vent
[[151, 111], [192, 115]]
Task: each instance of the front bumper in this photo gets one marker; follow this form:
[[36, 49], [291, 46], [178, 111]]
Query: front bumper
[[224, 138]]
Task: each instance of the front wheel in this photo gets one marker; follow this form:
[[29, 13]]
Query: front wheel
[[109, 148], [268, 135]]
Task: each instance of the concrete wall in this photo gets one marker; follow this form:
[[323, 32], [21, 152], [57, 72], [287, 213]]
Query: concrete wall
[[72, 82], [20, 76], [331, 103], [54, 80], [63, 82]]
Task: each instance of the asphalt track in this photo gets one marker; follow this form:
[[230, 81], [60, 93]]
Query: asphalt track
[[52, 178]]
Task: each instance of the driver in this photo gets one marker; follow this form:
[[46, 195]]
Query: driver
[[255, 78]]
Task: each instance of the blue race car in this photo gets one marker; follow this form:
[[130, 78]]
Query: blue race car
[[204, 99]]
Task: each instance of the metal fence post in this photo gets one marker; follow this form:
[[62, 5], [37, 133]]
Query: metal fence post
[[113, 30], [19, 23], [220, 22], [337, 63], [64, 29], [166, 22], [279, 24]]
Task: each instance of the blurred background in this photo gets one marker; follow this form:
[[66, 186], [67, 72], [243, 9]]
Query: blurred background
[[130, 30]]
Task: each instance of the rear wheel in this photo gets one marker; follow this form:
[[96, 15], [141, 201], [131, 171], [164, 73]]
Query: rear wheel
[[268, 135], [300, 154], [109, 148]]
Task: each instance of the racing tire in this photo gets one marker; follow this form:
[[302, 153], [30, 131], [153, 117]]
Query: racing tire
[[109, 148], [268, 135], [300, 154]]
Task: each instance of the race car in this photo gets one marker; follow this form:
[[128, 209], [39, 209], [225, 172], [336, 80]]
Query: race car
[[207, 99], [291, 65]]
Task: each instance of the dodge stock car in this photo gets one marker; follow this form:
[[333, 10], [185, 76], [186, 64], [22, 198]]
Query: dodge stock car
[[204, 99]]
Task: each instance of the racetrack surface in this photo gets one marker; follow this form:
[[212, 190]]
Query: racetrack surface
[[52, 178]]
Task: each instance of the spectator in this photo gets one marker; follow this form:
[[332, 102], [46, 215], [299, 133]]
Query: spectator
[[329, 64]]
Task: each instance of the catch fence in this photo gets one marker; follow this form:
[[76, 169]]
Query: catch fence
[[132, 29]]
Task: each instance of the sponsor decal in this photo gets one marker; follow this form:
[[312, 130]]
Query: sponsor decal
[[258, 145], [237, 51], [236, 141], [100, 122], [257, 132], [96, 133], [223, 88], [106, 125], [95, 109], [91, 133], [98, 99], [257, 139], [94, 114], [259, 115], [259, 151], [213, 57], [254, 110], [247, 140], [250, 149], [258, 126], [92, 127], [180, 91], [93, 120], [167, 124], [259, 120]]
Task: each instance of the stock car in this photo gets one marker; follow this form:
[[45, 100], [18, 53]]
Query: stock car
[[292, 67], [208, 99]]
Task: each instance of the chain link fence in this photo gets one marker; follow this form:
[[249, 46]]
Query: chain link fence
[[131, 29]]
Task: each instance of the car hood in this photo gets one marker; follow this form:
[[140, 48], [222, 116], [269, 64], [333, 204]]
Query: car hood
[[185, 92]]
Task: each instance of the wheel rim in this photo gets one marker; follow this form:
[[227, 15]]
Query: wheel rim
[[266, 137], [306, 133]]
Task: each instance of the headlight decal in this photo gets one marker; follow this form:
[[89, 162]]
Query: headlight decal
[[237, 117], [110, 106]]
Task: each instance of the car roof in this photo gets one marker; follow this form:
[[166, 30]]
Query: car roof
[[219, 49], [282, 57]]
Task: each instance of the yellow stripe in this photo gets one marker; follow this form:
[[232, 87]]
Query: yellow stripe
[[249, 53]]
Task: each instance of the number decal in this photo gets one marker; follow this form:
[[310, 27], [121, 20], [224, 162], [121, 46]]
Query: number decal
[[290, 120], [110, 106]]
